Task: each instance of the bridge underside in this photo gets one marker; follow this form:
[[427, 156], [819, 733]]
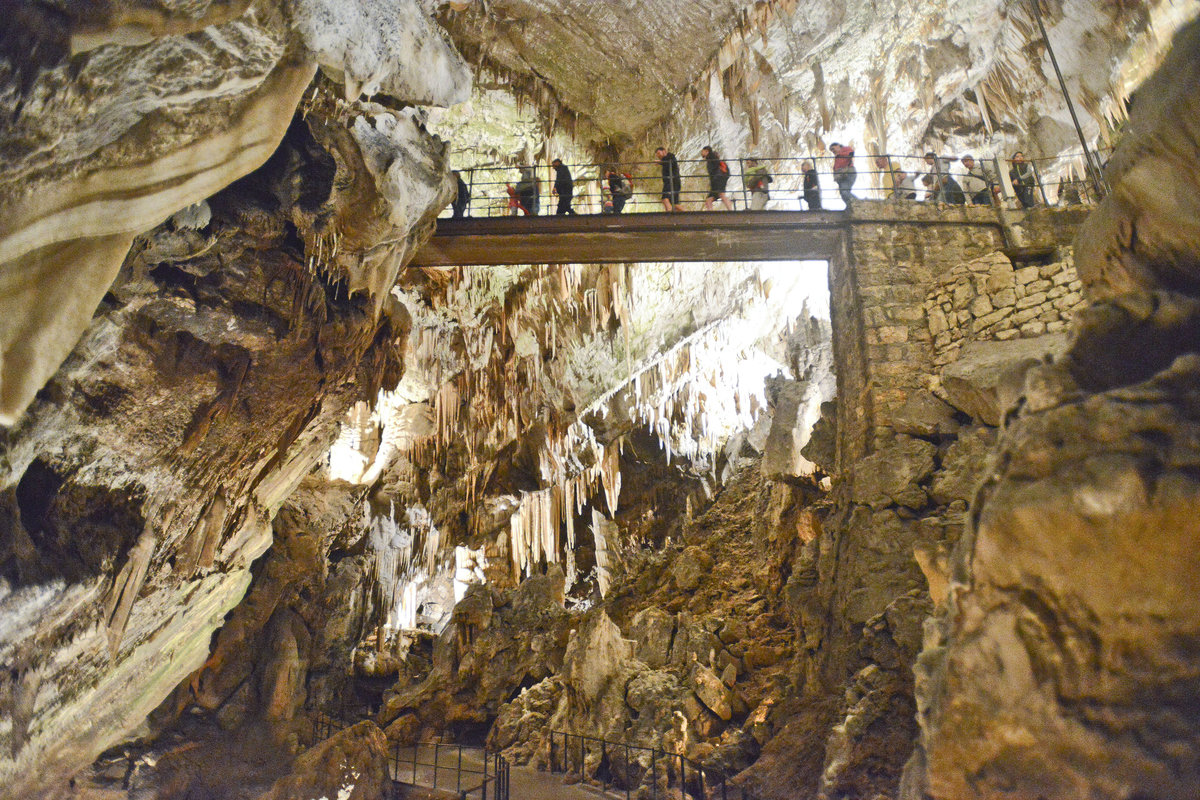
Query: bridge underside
[[628, 238]]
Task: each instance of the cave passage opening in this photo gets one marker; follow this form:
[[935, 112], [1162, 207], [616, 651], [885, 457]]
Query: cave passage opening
[[704, 365]]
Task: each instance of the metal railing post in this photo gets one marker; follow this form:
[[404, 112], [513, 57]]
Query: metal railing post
[[682, 777], [416, 746], [581, 756], [436, 752], [603, 758], [742, 173], [458, 777], [653, 774], [1037, 176], [470, 190], [627, 780], [483, 791], [723, 789]]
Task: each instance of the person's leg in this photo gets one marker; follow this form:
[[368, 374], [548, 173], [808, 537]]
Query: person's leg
[[758, 201], [564, 206], [725, 202], [708, 201], [666, 202], [618, 203]]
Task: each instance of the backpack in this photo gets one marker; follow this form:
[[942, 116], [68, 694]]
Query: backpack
[[722, 168], [625, 184]]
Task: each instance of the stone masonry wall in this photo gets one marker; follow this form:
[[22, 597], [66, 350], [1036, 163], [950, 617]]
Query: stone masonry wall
[[907, 462], [987, 299]]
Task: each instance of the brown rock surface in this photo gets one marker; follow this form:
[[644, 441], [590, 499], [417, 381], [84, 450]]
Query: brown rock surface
[[352, 764]]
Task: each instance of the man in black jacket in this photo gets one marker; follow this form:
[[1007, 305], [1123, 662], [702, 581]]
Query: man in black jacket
[[564, 187], [672, 182]]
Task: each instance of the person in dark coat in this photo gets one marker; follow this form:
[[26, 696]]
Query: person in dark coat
[[718, 177], [462, 198], [564, 187], [1023, 180], [812, 187], [672, 181], [619, 189]]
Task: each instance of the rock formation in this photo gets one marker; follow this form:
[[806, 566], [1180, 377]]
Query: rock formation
[[1070, 619], [254, 471]]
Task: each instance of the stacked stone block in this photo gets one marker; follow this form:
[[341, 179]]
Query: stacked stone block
[[989, 299]]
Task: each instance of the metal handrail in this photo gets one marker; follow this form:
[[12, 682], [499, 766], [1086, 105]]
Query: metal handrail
[[704, 784], [490, 186]]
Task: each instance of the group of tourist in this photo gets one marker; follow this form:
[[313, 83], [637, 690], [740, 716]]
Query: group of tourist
[[974, 184]]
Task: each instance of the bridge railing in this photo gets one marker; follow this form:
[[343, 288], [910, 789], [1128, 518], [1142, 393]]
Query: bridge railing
[[498, 190], [626, 767]]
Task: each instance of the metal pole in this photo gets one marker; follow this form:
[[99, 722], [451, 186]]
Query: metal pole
[[458, 778], [1037, 176], [742, 172], [653, 774], [416, 746], [627, 781], [682, 777], [1093, 172], [436, 750], [470, 190], [483, 794]]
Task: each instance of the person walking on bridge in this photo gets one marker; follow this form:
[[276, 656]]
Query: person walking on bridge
[[812, 186], [564, 187], [718, 177], [672, 182], [757, 179], [527, 192], [844, 174]]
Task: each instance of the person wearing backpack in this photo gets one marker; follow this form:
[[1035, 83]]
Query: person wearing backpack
[[718, 177], [672, 182], [620, 189], [564, 187], [757, 178]]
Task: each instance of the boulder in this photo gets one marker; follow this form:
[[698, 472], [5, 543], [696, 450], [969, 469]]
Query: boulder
[[891, 475], [652, 630], [713, 692], [963, 466], [924, 415], [973, 383], [690, 567], [350, 765]]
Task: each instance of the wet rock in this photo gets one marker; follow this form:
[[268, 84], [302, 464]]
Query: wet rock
[[352, 764]]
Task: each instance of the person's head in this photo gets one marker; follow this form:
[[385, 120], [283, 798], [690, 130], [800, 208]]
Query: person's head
[[751, 162], [835, 148], [927, 180], [881, 162], [930, 157], [556, 162], [661, 152], [455, 173], [705, 152], [526, 172], [806, 165], [968, 161], [899, 174], [1018, 157]]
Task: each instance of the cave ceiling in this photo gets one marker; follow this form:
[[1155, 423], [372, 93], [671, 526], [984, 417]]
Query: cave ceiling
[[786, 76]]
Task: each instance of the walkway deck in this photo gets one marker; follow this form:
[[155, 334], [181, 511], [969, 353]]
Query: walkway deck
[[629, 238]]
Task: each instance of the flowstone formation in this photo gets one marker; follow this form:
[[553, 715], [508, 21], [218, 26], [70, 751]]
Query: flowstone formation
[[140, 485]]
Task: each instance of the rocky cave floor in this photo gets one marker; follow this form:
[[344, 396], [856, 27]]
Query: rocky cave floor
[[692, 652]]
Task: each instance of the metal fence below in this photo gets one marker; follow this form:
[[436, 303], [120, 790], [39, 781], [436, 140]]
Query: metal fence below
[[629, 767], [466, 772]]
